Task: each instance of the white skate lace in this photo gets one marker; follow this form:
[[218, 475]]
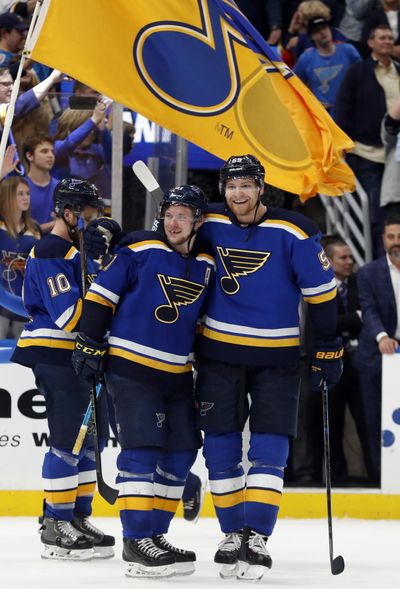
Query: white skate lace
[[258, 543], [67, 529], [167, 546], [231, 542], [89, 527], [149, 548]]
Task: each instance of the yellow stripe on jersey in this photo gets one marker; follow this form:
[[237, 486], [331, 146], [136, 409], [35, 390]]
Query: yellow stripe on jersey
[[284, 224], [26, 342], [96, 298], [75, 317], [217, 217], [70, 253], [58, 497], [148, 243], [327, 296], [86, 489], [258, 342], [152, 363], [133, 503], [165, 504], [228, 500], [262, 496]]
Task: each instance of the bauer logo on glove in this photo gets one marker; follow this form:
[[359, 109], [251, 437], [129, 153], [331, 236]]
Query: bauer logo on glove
[[327, 364]]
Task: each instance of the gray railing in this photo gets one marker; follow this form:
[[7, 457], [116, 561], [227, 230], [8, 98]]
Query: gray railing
[[348, 216]]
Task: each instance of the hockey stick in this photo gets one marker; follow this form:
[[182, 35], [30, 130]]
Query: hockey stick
[[148, 180], [337, 564], [80, 438], [107, 492]]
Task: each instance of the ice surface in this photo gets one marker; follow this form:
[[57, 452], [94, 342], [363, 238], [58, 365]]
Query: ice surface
[[299, 549]]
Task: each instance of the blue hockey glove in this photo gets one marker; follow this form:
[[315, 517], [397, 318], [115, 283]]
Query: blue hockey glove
[[100, 236], [327, 364], [88, 357]]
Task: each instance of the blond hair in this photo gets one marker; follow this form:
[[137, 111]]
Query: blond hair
[[313, 9], [70, 120], [8, 205]]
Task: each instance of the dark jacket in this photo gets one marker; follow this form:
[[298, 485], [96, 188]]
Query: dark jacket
[[360, 103], [379, 313]]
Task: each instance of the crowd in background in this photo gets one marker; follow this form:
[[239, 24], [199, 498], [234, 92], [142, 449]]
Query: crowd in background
[[346, 52]]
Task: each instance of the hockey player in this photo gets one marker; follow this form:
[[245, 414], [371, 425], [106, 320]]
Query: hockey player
[[266, 261], [53, 299], [150, 297]]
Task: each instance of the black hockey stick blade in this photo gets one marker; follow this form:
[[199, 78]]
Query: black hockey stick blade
[[337, 565], [108, 493], [146, 177]]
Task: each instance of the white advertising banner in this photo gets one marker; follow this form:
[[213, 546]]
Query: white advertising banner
[[24, 433], [391, 424]]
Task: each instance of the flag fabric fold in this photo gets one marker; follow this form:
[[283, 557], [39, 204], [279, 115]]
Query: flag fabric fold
[[200, 69]]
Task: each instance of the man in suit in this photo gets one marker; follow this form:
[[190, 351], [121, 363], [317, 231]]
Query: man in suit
[[379, 289], [347, 391]]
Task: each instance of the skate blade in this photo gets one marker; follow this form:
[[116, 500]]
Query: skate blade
[[58, 553], [103, 552], [184, 568], [248, 572], [227, 571], [161, 572]]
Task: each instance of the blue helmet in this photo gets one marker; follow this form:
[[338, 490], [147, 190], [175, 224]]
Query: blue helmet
[[76, 194], [187, 195], [241, 166]]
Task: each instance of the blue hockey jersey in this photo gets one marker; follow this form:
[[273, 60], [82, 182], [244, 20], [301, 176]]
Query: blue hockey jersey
[[263, 270], [53, 298], [13, 254], [156, 296]]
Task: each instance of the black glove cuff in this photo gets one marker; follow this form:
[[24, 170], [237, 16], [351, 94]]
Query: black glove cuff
[[90, 347]]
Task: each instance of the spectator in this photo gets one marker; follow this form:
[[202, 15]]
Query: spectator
[[12, 36], [347, 392], [79, 143], [39, 152], [323, 67], [379, 288], [297, 39], [352, 21], [367, 90], [18, 233], [384, 14], [390, 195], [24, 7]]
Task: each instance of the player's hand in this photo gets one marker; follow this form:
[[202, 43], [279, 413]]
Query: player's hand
[[88, 357], [326, 365], [101, 235]]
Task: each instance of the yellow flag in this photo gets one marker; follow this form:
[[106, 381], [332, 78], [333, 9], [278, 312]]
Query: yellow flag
[[199, 68]]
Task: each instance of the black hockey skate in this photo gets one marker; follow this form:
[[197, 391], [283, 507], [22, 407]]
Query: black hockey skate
[[184, 559], [192, 507], [146, 560], [227, 555], [103, 544], [63, 542], [254, 558]]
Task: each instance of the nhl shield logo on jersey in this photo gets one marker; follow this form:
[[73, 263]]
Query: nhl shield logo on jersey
[[178, 292], [160, 419], [204, 407], [237, 262]]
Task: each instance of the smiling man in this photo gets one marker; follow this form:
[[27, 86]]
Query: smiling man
[[267, 260], [379, 289], [150, 297]]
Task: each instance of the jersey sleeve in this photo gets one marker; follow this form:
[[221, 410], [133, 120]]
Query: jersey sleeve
[[317, 283], [105, 292]]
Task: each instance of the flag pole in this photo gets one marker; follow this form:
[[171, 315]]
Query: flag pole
[[14, 94]]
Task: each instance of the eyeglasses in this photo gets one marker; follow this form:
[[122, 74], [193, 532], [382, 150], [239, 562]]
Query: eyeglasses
[[6, 84]]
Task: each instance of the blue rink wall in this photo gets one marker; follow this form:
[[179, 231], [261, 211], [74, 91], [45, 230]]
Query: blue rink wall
[[23, 442]]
